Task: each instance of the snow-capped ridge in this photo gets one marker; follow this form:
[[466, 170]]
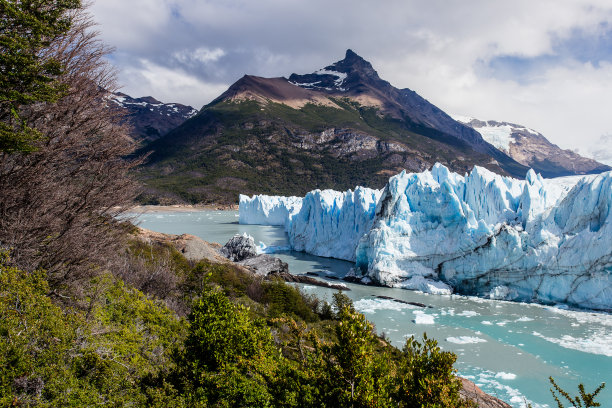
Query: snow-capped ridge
[[530, 148]]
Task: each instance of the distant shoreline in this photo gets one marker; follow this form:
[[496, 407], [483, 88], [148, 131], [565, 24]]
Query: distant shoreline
[[143, 209]]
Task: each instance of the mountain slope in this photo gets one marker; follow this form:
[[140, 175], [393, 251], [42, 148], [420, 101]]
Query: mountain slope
[[150, 119], [336, 128], [532, 149]]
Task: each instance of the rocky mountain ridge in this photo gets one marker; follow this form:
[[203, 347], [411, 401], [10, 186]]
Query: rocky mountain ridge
[[355, 78], [269, 135], [532, 149], [149, 118]]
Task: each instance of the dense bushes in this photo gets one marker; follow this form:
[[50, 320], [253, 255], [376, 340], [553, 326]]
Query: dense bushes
[[54, 357], [123, 348], [228, 355], [426, 376]]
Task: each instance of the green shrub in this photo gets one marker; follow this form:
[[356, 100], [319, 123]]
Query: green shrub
[[426, 377], [283, 299], [71, 358], [357, 372], [582, 400], [228, 356], [232, 280]]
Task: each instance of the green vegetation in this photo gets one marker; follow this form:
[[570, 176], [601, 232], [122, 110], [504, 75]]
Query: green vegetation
[[27, 28], [582, 400], [122, 347], [243, 342], [245, 147], [426, 375], [94, 356]]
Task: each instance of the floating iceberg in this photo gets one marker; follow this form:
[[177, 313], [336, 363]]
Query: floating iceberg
[[544, 240]]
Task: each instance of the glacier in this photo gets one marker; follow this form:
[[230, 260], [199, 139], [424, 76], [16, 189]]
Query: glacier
[[267, 210], [535, 240]]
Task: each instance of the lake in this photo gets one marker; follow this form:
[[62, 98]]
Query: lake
[[508, 349]]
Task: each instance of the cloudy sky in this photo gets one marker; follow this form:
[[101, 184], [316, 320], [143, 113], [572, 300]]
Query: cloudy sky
[[545, 64]]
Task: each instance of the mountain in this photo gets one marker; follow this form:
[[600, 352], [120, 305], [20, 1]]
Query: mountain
[[532, 149], [356, 79], [150, 119], [335, 128]]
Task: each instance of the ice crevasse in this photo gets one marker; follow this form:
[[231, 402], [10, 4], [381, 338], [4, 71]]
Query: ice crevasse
[[543, 240]]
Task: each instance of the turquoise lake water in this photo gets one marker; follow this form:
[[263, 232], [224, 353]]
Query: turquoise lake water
[[508, 349]]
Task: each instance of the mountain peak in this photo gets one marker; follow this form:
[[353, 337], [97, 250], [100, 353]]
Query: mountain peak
[[350, 54], [339, 76], [353, 63]]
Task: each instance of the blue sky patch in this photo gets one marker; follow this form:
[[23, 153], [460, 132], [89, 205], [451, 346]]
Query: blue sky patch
[[594, 46]]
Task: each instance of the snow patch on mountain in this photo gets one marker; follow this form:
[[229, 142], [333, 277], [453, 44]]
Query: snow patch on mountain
[[498, 134], [341, 76]]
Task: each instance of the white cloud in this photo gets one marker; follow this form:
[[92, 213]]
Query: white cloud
[[600, 150], [169, 85], [202, 54]]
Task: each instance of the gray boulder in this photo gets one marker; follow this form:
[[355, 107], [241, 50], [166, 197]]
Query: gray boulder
[[265, 265], [239, 248]]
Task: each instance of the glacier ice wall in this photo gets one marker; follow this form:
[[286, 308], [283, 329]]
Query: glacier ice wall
[[267, 210], [482, 234], [337, 220]]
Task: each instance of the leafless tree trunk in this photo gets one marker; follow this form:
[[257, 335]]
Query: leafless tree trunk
[[58, 205]]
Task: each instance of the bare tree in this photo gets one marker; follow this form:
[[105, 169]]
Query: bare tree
[[59, 204]]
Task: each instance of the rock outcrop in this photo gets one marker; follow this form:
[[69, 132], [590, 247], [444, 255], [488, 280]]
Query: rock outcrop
[[266, 265], [192, 247], [471, 392], [242, 250], [239, 248]]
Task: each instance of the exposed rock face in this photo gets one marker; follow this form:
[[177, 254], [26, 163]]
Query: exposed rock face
[[347, 143], [268, 267], [532, 149], [471, 392], [265, 265], [239, 248], [194, 248]]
